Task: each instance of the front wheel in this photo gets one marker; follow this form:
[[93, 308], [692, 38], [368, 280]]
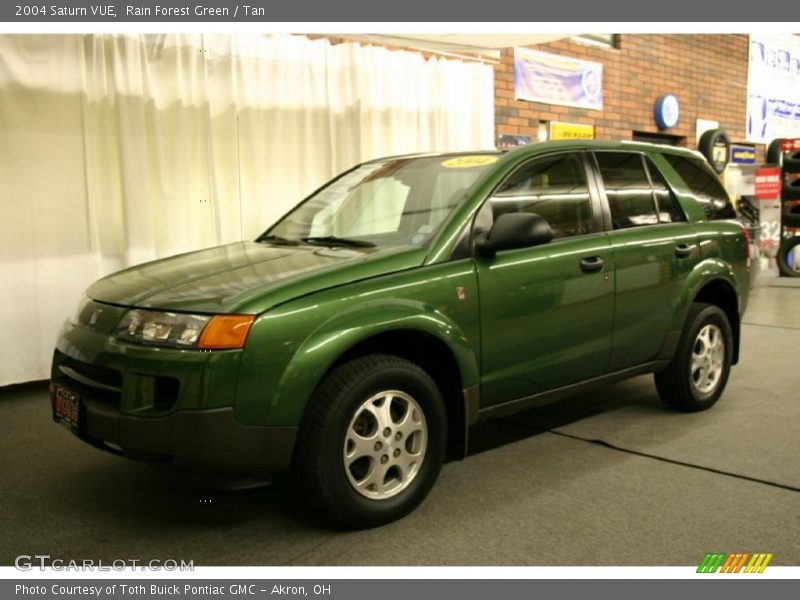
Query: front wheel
[[696, 376], [372, 441]]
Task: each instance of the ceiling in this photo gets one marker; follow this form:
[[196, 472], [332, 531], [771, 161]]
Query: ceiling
[[486, 45]]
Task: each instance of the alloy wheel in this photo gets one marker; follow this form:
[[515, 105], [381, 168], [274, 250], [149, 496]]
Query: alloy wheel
[[385, 444], [708, 356]]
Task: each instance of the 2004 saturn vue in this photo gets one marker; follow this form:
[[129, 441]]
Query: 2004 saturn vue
[[356, 341]]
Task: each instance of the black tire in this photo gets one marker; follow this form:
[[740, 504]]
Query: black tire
[[791, 191], [785, 248], [319, 463], [774, 152], [675, 384], [791, 162], [706, 147], [790, 214]]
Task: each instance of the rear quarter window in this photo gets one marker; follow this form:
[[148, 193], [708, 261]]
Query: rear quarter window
[[704, 185]]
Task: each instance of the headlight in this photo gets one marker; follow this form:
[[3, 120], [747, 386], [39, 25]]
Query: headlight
[[179, 330]]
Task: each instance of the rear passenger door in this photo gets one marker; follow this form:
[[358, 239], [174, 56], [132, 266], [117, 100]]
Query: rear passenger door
[[654, 249]]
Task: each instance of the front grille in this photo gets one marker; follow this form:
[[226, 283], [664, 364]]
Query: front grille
[[102, 375], [92, 381]]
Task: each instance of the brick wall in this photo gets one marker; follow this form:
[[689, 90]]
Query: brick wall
[[707, 73]]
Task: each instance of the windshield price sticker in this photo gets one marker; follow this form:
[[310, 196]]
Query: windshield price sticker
[[466, 162]]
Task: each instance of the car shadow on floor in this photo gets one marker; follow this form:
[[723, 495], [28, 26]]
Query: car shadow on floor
[[484, 437], [125, 494], [130, 494], [639, 392]]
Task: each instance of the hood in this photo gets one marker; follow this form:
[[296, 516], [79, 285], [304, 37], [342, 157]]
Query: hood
[[246, 277]]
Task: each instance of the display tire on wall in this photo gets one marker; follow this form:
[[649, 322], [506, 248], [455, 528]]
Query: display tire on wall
[[696, 376], [372, 441], [707, 143], [790, 213], [786, 254]]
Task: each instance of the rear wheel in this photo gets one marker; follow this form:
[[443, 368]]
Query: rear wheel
[[372, 441], [696, 376]]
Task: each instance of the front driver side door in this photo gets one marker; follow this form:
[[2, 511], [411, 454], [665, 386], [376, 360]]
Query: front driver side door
[[546, 311]]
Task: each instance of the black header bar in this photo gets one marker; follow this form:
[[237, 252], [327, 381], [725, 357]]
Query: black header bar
[[442, 11]]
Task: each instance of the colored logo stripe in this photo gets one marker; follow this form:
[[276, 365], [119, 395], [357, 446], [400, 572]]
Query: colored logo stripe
[[711, 562], [727, 566], [734, 563], [758, 563]]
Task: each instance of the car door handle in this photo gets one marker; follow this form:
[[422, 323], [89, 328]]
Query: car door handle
[[591, 264], [683, 250]]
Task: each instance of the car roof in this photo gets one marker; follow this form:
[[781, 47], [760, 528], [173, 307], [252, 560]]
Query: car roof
[[538, 147], [492, 151], [625, 145]]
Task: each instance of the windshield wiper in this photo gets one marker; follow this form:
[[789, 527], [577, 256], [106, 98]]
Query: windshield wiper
[[332, 240], [277, 240]]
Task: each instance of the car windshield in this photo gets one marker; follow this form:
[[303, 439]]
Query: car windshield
[[392, 202]]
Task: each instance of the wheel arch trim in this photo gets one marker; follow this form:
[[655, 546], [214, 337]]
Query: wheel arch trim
[[333, 339], [711, 272]]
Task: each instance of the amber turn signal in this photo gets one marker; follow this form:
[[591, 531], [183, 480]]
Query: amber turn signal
[[225, 332]]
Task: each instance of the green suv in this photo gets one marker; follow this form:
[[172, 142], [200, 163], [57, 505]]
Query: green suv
[[356, 341]]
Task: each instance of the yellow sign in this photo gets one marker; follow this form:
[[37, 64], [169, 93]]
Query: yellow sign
[[465, 162], [571, 131]]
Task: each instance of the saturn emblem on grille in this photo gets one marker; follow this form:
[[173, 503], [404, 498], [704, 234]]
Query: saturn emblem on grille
[[95, 316]]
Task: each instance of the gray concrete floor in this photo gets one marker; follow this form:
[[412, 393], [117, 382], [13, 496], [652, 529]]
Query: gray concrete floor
[[605, 478]]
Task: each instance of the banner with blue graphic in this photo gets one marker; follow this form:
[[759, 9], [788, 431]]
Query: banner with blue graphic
[[554, 79], [773, 87]]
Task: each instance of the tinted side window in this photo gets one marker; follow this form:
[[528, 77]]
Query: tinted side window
[[630, 196], [669, 211], [552, 187], [705, 186]]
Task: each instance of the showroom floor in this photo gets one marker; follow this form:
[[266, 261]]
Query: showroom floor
[[608, 478]]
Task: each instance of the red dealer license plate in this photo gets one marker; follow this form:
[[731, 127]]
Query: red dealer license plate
[[66, 406]]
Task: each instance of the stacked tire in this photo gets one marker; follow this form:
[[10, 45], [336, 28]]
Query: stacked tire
[[790, 194], [788, 252], [788, 262]]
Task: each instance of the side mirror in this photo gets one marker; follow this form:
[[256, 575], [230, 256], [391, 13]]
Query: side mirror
[[514, 230]]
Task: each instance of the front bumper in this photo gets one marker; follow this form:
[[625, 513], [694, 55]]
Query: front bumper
[[209, 439], [159, 404]]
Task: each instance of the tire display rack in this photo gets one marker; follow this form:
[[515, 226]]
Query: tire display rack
[[786, 154]]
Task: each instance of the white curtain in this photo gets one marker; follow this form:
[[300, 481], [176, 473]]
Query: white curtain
[[118, 149]]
